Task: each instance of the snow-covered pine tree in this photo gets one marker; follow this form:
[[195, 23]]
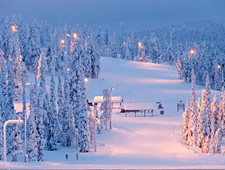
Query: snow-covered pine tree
[[86, 60], [127, 53], [207, 103], [41, 110], [1, 133], [193, 120], [179, 68], [154, 48], [215, 113], [54, 124], [60, 104], [16, 143], [170, 52], [187, 69], [67, 121], [34, 46], [218, 140], [83, 120], [3, 87], [112, 47], [106, 107], [222, 109], [32, 148], [185, 129], [203, 128], [215, 124]]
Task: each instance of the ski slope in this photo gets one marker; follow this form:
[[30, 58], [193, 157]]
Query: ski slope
[[135, 142]]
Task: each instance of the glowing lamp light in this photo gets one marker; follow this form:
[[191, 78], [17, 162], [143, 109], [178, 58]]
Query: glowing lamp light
[[68, 69], [62, 41], [219, 66], [86, 79], [124, 43], [75, 36], [139, 45], [192, 52], [13, 28]]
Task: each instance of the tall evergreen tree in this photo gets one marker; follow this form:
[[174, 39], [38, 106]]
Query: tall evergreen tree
[[186, 116], [193, 121]]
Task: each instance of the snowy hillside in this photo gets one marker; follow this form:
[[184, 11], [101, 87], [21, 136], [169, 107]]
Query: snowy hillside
[[135, 142]]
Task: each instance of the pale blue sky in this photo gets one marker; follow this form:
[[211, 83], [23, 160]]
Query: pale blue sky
[[135, 14]]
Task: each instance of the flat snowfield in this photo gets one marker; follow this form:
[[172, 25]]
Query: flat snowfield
[[135, 142]]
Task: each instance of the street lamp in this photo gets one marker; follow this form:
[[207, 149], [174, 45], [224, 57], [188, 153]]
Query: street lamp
[[192, 51], [19, 121], [75, 36], [13, 28], [110, 123], [62, 43]]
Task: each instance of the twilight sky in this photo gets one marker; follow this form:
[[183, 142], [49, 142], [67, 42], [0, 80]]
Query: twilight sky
[[135, 14]]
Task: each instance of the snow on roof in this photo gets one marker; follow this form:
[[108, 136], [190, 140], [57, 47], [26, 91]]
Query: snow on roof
[[114, 99], [138, 106]]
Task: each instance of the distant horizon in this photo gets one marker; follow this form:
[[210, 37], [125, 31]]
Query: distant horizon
[[139, 15]]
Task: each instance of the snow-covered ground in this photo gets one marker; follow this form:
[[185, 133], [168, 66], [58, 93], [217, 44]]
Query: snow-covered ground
[[135, 142]]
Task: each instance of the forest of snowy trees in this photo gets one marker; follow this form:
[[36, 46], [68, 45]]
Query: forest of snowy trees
[[69, 54], [33, 47], [204, 121]]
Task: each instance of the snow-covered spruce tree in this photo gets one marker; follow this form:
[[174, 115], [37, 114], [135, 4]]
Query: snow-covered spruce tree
[[46, 114], [122, 50], [3, 87], [215, 124], [32, 148], [34, 46], [203, 128], [106, 107], [1, 134], [84, 135], [171, 57], [54, 125], [179, 68], [112, 47], [216, 78], [67, 121], [207, 103], [185, 129], [193, 120], [41, 110], [95, 61], [146, 49], [154, 48], [86, 61], [10, 112], [127, 53], [215, 113], [218, 141], [16, 144], [13, 54], [222, 109], [60, 104], [187, 69], [132, 45]]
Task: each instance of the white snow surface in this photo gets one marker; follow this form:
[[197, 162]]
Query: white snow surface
[[135, 142]]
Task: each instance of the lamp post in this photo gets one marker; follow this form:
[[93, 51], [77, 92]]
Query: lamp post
[[19, 121], [110, 123]]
